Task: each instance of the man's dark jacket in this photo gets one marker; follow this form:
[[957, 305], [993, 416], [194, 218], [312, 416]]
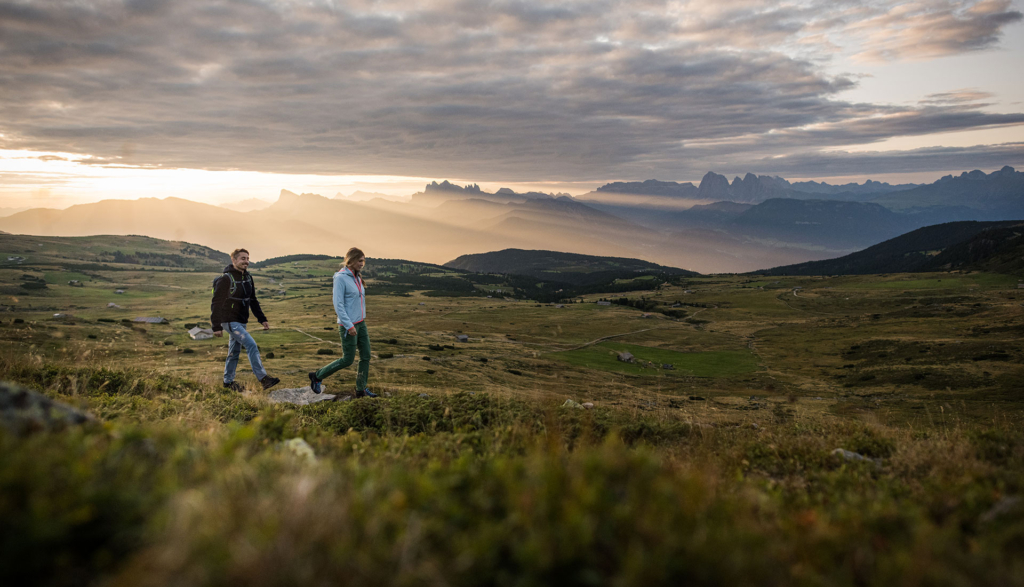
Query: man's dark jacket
[[234, 307]]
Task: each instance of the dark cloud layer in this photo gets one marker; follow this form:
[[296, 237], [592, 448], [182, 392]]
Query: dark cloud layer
[[510, 90]]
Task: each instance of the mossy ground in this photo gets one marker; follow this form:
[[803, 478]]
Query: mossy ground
[[718, 477]]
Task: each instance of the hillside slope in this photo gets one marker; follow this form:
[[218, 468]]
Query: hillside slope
[[925, 249], [561, 267]]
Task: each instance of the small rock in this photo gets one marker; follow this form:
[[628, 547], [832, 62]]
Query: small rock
[[853, 456], [300, 448], [1002, 507], [424, 395], [755, 426], [342, 398], [588, 405], [301, 396], [571, 404], [386, 394]]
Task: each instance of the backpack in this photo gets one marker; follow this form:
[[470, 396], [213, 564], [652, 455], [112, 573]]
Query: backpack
[[234, 288]]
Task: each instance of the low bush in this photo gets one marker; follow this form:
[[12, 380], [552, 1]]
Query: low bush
[[185, 484]]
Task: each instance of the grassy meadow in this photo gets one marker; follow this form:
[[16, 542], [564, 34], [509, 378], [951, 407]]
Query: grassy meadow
[[720, 470]]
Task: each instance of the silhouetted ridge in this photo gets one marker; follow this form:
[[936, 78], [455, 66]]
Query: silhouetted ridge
[[953, 245], [562, 267]]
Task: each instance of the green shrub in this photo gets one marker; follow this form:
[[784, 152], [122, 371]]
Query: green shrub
[[75, 505]]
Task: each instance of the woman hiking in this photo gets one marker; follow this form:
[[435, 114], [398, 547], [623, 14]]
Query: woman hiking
[[350, 306]]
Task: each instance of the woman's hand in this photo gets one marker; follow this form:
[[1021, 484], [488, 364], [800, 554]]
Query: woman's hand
[[352, 331]]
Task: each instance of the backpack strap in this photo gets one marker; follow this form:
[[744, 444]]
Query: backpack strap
[[234, 287]]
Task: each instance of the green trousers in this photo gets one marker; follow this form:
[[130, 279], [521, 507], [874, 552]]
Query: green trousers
[[349, 343]]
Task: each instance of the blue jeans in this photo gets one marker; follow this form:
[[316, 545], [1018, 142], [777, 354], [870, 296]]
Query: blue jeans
[[239, 337]]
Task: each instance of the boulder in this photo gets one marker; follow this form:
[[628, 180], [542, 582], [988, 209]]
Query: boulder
[[23, 411]]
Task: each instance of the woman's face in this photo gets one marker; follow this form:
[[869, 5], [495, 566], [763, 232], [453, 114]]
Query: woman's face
[[358, 264]]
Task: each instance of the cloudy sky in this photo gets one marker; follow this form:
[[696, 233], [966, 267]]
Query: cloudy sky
[[227, 99]]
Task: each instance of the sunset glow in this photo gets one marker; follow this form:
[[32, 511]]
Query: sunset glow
[[246, 99]]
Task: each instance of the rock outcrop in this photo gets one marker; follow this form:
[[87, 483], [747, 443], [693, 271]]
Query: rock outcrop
[[23, 411]]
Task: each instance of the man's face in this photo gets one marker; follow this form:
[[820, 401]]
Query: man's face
[[358, 264], [241, 261]]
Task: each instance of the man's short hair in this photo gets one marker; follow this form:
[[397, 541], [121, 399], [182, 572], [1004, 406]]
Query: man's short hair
[[237, 252]]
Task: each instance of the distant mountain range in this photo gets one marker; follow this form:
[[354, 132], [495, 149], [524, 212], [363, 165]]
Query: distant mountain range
[[9, 211], [247, 205], [993, 246], [716, 227], [360, 196], [749, 189]]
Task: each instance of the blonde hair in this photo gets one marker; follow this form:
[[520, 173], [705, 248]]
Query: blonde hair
[[353, 255]]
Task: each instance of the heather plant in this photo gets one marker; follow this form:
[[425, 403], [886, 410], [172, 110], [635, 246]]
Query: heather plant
[[200, 487]]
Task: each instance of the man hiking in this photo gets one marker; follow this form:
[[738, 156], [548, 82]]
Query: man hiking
[[233, 294]]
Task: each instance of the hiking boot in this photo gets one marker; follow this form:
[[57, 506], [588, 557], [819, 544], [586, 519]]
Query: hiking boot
[[365, 393], [234, 386], [269, 382], [314, 383]]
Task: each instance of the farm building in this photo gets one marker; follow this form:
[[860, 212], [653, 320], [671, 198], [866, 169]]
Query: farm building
[[604, 303], [198, 333], [119, 291], [151, 320], [627, 357], [462, 338], [75, 283]]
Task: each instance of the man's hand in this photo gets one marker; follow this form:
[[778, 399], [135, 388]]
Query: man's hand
[[352, 331], [218, 333], [266, 325]]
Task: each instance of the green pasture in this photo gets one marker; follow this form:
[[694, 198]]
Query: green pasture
[[604, 356], [942, 281], [472, 444]]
